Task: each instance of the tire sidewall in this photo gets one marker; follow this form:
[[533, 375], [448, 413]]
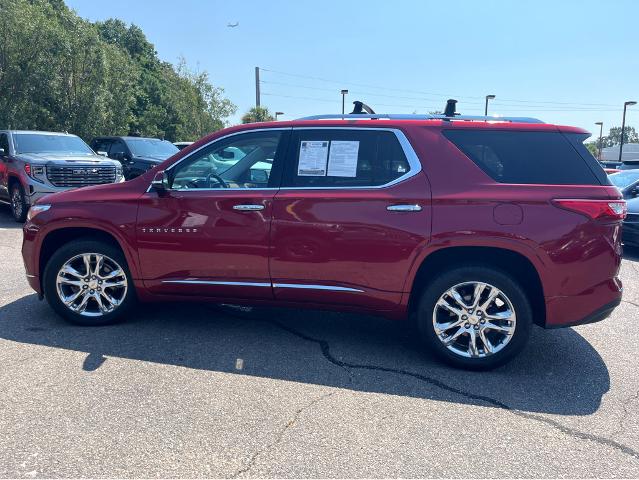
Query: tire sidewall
[[69, 251], [497, 278]]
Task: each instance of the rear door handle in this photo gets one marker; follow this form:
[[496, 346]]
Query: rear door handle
[[248, 208], [404, 208]]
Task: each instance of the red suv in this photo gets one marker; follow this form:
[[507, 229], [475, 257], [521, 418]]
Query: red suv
[[475, 228]]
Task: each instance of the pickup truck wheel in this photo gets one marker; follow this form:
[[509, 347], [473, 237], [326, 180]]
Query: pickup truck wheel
[[19, 207], [474, 317], [88, 283]]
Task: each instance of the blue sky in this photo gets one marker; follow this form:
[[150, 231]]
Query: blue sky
[[567, 62]]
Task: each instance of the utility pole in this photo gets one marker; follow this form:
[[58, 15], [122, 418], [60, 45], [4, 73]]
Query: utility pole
[[257, 87]]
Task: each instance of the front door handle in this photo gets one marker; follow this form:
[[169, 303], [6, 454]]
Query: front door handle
[[248, 208], [404, 208]]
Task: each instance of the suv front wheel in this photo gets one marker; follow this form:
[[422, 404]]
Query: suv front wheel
[[19, 207], [474, 317], [88, 283]]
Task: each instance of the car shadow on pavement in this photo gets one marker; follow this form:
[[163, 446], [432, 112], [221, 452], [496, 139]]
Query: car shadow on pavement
[[558, 373]]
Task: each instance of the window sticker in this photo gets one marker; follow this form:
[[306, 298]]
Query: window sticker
[[342, 160], [313, 158]]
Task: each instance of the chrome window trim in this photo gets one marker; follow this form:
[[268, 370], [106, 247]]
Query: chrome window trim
[[415, 166], [333, 288]]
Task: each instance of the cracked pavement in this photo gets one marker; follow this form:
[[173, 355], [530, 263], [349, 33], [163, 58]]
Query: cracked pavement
[[198, 391]]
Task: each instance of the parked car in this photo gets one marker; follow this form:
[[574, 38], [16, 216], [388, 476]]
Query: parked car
[[465, 226], [629, 165], [627, 182], [136, 154], [610, 171], [181, 145], [631, 224], [34, 164]]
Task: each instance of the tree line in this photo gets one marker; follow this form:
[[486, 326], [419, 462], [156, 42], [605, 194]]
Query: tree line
[[60, 72]]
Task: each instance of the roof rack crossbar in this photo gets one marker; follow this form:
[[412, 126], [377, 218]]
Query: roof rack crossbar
[[399, 116]]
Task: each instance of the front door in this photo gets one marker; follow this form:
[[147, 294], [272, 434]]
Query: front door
[[209, 234]]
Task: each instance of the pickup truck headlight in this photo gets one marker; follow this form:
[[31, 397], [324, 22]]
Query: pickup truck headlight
[[34, 210], [37, 172], [118, 173]]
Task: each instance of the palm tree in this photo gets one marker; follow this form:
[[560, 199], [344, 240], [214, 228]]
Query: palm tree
[[257, 114]]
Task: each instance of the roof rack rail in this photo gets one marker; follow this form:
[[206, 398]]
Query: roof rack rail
[[399, 116]]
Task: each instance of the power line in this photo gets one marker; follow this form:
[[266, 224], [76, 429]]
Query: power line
[[539, 103]]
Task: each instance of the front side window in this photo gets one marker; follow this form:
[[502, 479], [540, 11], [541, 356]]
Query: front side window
[[118, 148], [334, 158], [241, 161]]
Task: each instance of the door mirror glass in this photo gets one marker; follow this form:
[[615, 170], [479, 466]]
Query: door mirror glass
[[160, 182]]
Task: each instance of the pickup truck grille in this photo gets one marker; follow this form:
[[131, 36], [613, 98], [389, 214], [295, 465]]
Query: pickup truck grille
[[80, 176]]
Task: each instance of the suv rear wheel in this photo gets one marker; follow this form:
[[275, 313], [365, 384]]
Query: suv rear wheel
[[19, 207], [88, 283], [474, 317]]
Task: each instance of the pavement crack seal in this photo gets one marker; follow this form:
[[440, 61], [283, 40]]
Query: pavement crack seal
[[630, 302], [281, 434], [325, 348]]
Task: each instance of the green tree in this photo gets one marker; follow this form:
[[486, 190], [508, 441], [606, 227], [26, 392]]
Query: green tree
[[61, 72], [614, 136], [257, 114]]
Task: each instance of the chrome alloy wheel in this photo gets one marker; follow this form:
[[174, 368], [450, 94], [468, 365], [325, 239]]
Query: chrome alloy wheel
[[474, 319], [91, 284]]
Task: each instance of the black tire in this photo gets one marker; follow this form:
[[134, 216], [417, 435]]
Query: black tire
[[71, 250], [19, 206], [477, 273]]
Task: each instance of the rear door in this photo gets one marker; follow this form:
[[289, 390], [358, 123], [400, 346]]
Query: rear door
[[209, 234], [352, 211]]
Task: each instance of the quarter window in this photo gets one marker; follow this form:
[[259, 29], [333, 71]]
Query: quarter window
[[242, 161], [344, 158]]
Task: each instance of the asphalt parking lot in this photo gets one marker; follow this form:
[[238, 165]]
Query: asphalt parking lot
[[191, 391]]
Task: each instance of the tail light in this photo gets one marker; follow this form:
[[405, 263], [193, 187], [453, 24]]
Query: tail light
[[607, 210]]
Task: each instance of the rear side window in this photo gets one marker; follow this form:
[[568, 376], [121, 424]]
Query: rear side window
[[525, 157], [344, 158]]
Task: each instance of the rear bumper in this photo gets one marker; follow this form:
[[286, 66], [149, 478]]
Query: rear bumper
[[593, 305]]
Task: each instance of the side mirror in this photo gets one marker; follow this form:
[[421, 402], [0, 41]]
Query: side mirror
[[2, 152], [160, 182], [104, 154]]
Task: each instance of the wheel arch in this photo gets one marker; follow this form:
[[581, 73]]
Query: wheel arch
[[509, 261], [63, 235]]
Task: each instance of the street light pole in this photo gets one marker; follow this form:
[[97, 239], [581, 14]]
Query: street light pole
[[344, 93], [600, 136], [277, 114], [623, 125], [488, 97]]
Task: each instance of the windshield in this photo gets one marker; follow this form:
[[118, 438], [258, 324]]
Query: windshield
[[151, 147], [43, 143], [624, 179]]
